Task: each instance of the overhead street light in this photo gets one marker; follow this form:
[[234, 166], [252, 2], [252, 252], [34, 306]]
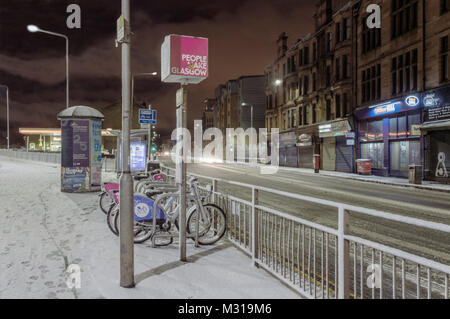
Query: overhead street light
[[33, 29]]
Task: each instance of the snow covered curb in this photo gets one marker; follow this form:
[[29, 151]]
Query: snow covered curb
[[372, 179]]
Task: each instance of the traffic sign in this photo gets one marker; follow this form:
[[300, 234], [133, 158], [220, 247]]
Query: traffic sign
[[147, 116]]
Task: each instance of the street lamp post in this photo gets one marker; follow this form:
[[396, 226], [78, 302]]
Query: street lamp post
[[33, 29], [251, 113], [7, 114], [149, 151]]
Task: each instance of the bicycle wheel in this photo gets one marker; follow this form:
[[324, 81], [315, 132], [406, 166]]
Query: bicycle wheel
[[113, 212], [208, 234], [143, 231], [104, 202]]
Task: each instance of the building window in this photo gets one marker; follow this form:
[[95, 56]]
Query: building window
[[345, 105], [345, 29], [445, 6], [307, 111], [371, 84], [314, 113], [404, 16], [404, 73], [338, 106], [328, 75], [371, 38], [345, 67], [300, 57], [314, 51], [306, 85], [374, 152], [314, 80], [329, 41], [294, 118], [306, 53], [328, 110], [338, 32], [444, 59], [338, 69]]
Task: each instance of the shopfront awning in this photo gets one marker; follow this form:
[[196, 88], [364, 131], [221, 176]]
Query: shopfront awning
[[435, 126]]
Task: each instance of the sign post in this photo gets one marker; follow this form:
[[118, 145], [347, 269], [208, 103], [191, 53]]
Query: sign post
[[126, 183], [149, 147], [184, 61]]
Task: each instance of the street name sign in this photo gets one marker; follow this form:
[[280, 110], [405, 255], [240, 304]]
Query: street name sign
[[147, 116]]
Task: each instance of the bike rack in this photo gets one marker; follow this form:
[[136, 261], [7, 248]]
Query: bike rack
[[172, 236]]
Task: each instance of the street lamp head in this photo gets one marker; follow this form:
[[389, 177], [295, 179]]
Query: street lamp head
[[278, 82], [155, 73], [244, 104], [32, 28]]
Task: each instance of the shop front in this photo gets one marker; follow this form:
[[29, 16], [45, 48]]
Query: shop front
[[436, 132], [288, 149], [308, 144], [336, 149], [389, 135]]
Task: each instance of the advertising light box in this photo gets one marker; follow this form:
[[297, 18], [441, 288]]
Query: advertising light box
[[184, 59]]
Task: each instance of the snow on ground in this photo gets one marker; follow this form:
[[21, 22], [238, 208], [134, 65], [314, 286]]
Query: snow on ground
[[43, 230]]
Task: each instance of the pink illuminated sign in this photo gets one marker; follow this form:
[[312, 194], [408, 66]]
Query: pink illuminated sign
[[184, 59]]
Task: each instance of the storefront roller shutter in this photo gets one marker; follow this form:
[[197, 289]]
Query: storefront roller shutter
[[344, 155], [305, 159]]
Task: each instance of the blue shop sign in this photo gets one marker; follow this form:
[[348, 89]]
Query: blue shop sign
[[410, 103]]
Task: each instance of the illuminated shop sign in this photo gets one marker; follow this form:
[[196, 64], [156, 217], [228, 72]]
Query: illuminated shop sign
[[385, 109], [409, 103], [412, 100], [339, 128]]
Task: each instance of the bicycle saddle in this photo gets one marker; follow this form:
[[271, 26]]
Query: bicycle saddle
[[151, 193], [140, 177]]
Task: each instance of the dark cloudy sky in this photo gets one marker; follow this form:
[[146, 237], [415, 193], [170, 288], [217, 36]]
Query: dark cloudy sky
[[242, 35]]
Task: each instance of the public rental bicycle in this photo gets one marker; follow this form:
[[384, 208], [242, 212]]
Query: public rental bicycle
[[106, 198], [206, 222]]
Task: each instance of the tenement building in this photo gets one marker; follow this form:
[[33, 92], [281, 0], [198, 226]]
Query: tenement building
[[240, 103], [384, 90], [402, 114], [309, 92]]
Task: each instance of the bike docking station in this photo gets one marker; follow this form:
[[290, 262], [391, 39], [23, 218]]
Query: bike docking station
[[184, 60], [81, 149]]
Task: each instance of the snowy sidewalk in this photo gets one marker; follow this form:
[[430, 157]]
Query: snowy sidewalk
[[42, 231], [404, 182]]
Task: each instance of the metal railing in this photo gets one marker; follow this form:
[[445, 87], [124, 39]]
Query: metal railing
[[324, 262], [47, 157]]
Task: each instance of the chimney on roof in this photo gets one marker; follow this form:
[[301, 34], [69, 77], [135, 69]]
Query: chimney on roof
[[282, 44]]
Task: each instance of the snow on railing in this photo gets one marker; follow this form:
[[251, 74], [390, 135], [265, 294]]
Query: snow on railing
[[47, 157], [323, 262]]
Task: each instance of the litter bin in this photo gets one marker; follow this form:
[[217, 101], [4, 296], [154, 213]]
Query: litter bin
[[415, 174], [364, 166]]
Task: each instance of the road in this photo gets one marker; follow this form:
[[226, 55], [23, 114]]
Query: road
[[423, 204]]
